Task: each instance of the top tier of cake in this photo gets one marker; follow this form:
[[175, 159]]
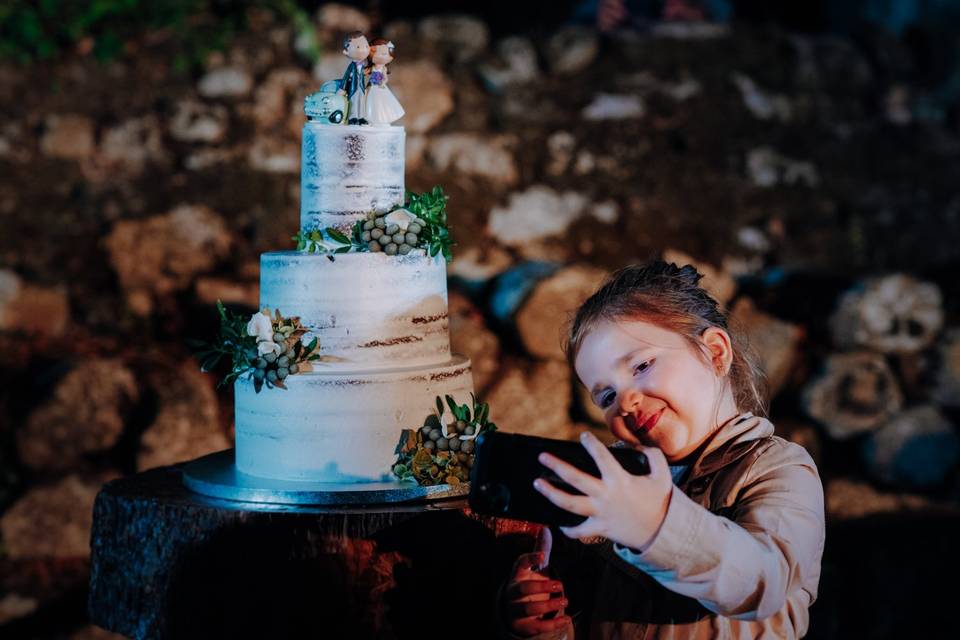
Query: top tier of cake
[[347, 171]]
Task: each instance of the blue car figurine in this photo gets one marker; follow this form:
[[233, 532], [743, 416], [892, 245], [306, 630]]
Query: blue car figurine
[[327, 105]]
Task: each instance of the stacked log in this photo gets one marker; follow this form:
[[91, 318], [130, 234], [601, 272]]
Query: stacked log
[[855, 393]]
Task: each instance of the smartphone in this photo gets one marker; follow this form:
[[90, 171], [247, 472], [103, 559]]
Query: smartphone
[[505, 466]]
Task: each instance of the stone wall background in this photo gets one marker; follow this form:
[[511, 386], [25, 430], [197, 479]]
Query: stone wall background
[[795, 170]]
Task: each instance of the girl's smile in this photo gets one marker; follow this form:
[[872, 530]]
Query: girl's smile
[[654, 387]]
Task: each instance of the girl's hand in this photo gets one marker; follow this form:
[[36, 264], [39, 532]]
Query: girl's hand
[[533, 603], [619, 506]]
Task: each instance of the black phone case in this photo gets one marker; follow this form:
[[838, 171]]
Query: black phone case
[[505, 466]]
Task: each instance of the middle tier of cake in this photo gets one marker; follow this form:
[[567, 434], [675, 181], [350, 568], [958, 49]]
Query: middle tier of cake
[[369, 311]]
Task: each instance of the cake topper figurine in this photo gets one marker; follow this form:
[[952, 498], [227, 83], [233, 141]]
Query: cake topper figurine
[[353, 85], [381, 107]]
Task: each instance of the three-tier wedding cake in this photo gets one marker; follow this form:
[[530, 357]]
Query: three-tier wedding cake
[[380, 321]]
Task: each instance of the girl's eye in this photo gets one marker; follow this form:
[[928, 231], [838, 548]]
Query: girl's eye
[[606, 398], [643, 366]]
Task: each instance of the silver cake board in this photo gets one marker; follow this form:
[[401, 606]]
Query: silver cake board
[[216, 476]]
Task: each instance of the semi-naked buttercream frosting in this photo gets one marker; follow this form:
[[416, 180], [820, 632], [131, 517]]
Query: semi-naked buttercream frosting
[[380, 320], [368, 310], [339, 426], [347, 171]]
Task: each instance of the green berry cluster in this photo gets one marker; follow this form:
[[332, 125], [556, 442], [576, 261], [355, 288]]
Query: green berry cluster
[[433, 454], [390, 238]]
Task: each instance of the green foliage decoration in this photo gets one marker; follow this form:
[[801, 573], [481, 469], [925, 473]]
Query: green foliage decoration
[[234, 342], [431, 206], [420, 465]]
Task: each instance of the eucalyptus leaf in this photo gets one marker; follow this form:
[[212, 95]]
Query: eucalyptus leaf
[[337, 236], [439, 407]]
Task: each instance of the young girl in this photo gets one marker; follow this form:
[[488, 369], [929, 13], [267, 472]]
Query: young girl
[[724, 538], [382, 106]]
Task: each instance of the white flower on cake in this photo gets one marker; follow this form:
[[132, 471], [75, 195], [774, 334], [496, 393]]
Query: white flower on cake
[[400, 217], [261, 325]]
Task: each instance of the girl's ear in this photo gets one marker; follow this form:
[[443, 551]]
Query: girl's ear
[[720, 349]]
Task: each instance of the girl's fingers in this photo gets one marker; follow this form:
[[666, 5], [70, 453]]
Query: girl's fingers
[[528, 563], [579, 505], [534, 625], [583, 482], [520, 610], [522, 588], [586, 529], [606, 463]]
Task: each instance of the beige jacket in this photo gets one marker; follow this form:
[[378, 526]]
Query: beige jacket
[[738, 554]]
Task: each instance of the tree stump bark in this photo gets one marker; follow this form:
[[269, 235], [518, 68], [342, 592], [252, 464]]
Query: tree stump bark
[[167, 563]]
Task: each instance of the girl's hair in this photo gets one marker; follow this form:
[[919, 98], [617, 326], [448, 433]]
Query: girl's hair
[[671, 298], [381, 41]]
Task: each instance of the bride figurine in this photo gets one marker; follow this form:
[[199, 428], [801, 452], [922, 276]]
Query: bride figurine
[[382, 107]]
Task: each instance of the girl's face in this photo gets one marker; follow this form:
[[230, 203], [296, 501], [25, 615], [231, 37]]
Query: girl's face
[[653, 388], [381, 54]]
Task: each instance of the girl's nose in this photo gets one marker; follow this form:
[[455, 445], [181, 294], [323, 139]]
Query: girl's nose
[[630, 400]]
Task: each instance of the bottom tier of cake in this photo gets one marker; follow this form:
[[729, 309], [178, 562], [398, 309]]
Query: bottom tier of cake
[[339, 427]]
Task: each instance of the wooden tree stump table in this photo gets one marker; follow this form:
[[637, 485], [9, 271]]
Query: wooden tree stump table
[[170, 563]]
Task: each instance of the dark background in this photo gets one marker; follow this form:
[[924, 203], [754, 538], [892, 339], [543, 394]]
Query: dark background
[[135, 191]]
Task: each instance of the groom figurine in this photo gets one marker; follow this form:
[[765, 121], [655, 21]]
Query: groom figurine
[[353, 85]]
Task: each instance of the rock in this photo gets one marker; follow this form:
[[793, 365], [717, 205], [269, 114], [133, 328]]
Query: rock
[[341, 19], [275, 155], [533, 400], [476, 265], [210, 157], [854, 394], [470, 336], [774, 341], [946, 390], [544, 314], [517, 65], [891, 314], [270, 98], [512, 287], [761, 104], [607, 212], [717, 282], [51, 520], [330, 66], [608, 106], [14, 606], [538, 212], [767, 168], [131, 145], [210, 289], [462, 36], [187, 425], [560, 148], [682, 30], [226, 82], [916, 449], [68, 137], [425, 93], [848, 499], [194, 121], [488, 157], [161, 255], [896, 105], [31, 309], [572, 49], [86, 414], [92, 632]]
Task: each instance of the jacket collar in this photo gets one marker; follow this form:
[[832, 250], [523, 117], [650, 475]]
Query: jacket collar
[[720, 451]]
